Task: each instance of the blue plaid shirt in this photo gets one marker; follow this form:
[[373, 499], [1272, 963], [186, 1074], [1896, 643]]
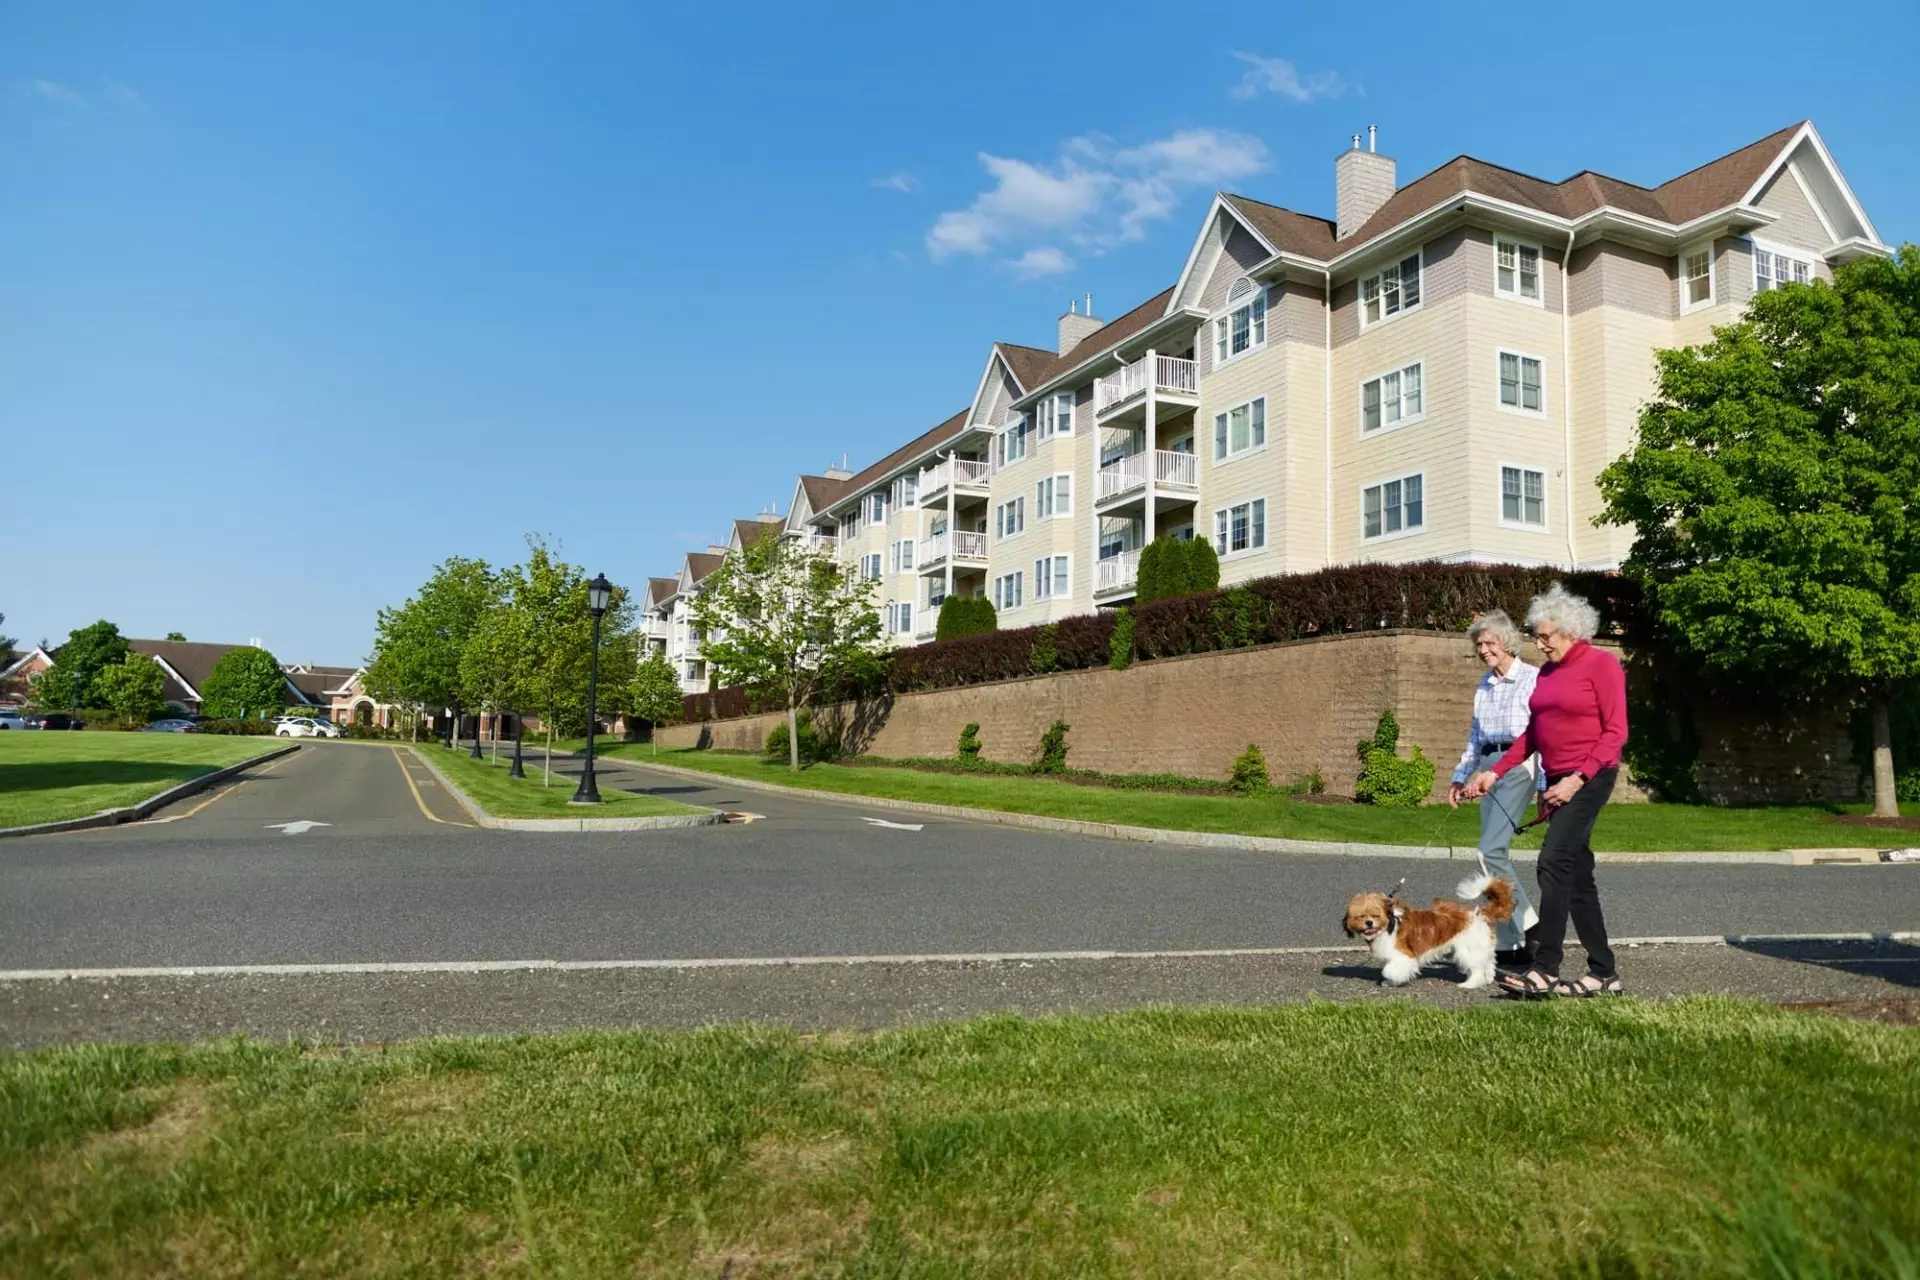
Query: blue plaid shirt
[[1500, 714]]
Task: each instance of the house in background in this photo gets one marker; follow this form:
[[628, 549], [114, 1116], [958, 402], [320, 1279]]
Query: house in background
[[326, 693], [16, 679]]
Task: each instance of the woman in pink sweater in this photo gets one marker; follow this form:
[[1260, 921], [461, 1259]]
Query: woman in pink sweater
[[1579, 727]]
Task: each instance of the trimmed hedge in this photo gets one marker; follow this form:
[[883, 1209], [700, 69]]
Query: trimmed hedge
[[965, 616]]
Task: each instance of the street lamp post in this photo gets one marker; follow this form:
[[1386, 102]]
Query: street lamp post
[[516, 771], [478, 720], [599, 593]]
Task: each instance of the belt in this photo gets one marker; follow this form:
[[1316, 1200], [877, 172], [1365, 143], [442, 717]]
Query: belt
[[1488, 748]]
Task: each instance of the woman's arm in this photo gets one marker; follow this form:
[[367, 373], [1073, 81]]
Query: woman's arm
[[1610, 701], [1471, 756]]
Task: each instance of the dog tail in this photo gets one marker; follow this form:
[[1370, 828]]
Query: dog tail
[[1499, 904]]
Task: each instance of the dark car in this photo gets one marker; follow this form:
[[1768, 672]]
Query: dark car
[[177, 724], [54, 720]]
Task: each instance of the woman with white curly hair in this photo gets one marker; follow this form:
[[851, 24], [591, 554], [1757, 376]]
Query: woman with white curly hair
[[1500, 715], [1579, 726]]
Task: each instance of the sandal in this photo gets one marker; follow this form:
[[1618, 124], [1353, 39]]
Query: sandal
[[1585, 988], [1531, 985]]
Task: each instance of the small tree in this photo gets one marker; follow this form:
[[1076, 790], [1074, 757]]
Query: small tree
[[1772, 492], [53, 690], [176, 637], [88, 652], [490, 663], [245, 683], [964, 616], [417, 647], [1163, 571], [6, 643], [136, 688], [789, 624], [655, 695], [1203, 565], [1385, 779]]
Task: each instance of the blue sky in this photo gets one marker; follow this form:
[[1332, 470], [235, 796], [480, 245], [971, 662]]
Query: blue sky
[[297, 301]]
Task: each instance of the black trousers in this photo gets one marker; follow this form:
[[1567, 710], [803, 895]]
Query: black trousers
[[1565, 871]]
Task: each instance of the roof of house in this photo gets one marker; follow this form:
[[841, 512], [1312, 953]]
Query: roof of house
[[1713, 185], [1028, 363], [823, 491], [659, 589], [906, 453], [751, 531], [1109, 334], [701, 563]]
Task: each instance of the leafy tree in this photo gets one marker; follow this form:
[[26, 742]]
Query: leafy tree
[[655, 694], [88, 652], [53, 690], [790, 624], [1162, 572], [176, 637], [490, 662], [1203, 565], [965, 616], [136, 688], [1774, 493], [245, 684], [6, 643], [550, 598], [417, 647]]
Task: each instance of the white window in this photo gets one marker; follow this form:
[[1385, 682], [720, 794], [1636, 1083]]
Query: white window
[[1771, 269], [1010, 518], [851, 525], [1011, 445], [1516, 270], [936, 591], [1523, 497], [1242, 329], [900, 618], [1240, 528], [902, 552], [905, 491], [1392, 399], [1393, 507], [1390, 291], [1696, 279], [1520, 385], [870, 567], [1006, 591], [1240, 430], [876, 507], [1050, 578], [1054, 497], [1055, 416]]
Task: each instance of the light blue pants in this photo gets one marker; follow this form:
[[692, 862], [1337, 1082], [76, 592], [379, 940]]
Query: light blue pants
[[1501, 811]]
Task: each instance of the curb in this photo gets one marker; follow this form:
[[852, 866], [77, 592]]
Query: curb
[[134, 813], [481, 817], [1256, 844]]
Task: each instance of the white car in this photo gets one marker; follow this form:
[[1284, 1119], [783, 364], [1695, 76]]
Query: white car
[[11, 719], [303, 727]]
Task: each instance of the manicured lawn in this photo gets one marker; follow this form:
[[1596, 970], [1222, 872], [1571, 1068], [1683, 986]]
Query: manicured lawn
[[1635, 828], [50, 776], [488, 785], [1705, 1138]]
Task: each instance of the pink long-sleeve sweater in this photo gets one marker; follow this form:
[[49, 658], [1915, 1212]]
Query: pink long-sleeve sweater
[[1579, 715]]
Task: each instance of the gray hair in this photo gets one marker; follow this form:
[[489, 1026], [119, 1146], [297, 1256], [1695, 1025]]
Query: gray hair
[[1495, 624], [1571, 614]]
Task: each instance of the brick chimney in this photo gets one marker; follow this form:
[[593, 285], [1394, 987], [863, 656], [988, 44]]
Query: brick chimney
[[1076, 325], [1362, 182]]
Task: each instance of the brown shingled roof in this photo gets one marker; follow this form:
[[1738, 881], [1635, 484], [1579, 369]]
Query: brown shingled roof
[[701, 563], [822, 491], [1286, 230], [913, 448], [1114, 331], [1027, 363], [659, 589], [1721, 182], [751, 531]]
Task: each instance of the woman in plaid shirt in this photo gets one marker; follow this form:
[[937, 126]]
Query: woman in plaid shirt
[[1499, 716]]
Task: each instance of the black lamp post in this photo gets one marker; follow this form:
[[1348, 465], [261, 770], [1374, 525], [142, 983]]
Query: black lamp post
[[453, 722], [517, 771], [478, 719], [599, 593]]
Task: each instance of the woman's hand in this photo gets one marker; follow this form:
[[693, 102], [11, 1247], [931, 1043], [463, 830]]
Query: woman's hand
[[1562, 791], [1479, 784], [1454, 792]]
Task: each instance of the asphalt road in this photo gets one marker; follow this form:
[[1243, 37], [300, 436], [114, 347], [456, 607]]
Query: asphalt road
[[395, 875]]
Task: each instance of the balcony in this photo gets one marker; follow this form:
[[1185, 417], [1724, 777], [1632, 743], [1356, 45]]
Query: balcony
[[1118, 395], [962, 475], [969, 550], [1115, 574], [1173, 473]]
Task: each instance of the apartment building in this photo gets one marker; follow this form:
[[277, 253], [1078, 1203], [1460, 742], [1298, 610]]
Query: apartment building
[[1438, 371]]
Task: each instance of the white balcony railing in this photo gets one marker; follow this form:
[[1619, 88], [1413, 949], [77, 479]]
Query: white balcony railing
[[965, 473], [1175, 470], [1171, 376], [1120, 476], [1116, 572], [962, 546]]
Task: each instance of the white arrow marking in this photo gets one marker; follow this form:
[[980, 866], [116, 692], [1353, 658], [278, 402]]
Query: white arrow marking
[[296, 828], [897, 826]]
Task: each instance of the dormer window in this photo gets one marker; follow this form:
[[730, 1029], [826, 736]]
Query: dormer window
[[1390, 291], [1244, 327]]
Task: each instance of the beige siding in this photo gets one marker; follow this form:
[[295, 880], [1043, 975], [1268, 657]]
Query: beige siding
[[1799, 227], [1624, 278], [1733, 273], [1498, 435], [1241, 254], [1297, 313], [1263, 473]]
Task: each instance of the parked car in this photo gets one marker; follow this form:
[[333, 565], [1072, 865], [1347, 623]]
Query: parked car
[[54, 720], [11, 719], [175, 725], [304, 727]]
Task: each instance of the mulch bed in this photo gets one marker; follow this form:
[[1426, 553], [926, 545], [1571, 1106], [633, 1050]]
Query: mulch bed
[[1868, 820], [1899, 1013]]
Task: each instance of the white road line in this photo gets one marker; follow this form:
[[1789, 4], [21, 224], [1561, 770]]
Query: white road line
[[780, 962]]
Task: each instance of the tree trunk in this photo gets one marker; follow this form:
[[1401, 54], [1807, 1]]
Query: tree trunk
[[496, 737], [793, 736], [547, 781], [1886, 803]]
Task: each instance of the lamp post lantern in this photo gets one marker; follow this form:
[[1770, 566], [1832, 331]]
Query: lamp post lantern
[[599, 595]]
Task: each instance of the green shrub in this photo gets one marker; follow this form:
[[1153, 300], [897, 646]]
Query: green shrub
[[1385, 779], [1310, 783], [1236, 618], [1249, 775], [239, 727], [1120, 647], [1045, 654], [965, 616], [1162, 573], [1203, 565], [969, 752], [1052, 756], [815, 746]]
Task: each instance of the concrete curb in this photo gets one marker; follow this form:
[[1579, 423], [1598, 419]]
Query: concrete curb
[[1257, 844], [134, 813], [481, 817]]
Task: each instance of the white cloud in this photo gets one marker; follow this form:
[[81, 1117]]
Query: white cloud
[[57, 93], [1277, 75], [894, 182], [1095, 196], [126, 95]]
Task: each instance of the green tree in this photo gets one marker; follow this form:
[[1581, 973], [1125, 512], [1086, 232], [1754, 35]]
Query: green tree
[[53, 690], [789, 624], [1162, 572], [88, 652], [1774, 494], [1203, 565], [490, 662], [550, 598], [965, 616], [176, 637], [245, 683], [136, 688], [417, 647], [655, 694], [6, 644]]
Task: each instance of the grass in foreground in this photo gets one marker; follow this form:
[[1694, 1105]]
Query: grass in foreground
[[486, 783], [1637, 828], [51, 776], [1705, 1138]]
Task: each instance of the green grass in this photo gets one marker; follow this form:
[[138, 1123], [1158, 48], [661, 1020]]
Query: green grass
[[51, 776], [486, 783], [1636, 828], [1706, 1138]]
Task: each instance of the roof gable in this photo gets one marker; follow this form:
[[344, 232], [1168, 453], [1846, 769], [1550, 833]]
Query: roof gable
[[918, 447]]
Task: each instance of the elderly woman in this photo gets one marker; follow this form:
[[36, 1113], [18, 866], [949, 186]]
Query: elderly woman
[[1500, 716], [1579, 726]]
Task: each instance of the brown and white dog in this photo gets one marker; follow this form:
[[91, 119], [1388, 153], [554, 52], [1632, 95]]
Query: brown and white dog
[[1406, 939]]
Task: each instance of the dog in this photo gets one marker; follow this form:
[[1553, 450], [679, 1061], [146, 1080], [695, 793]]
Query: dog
[[1407, 939]]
